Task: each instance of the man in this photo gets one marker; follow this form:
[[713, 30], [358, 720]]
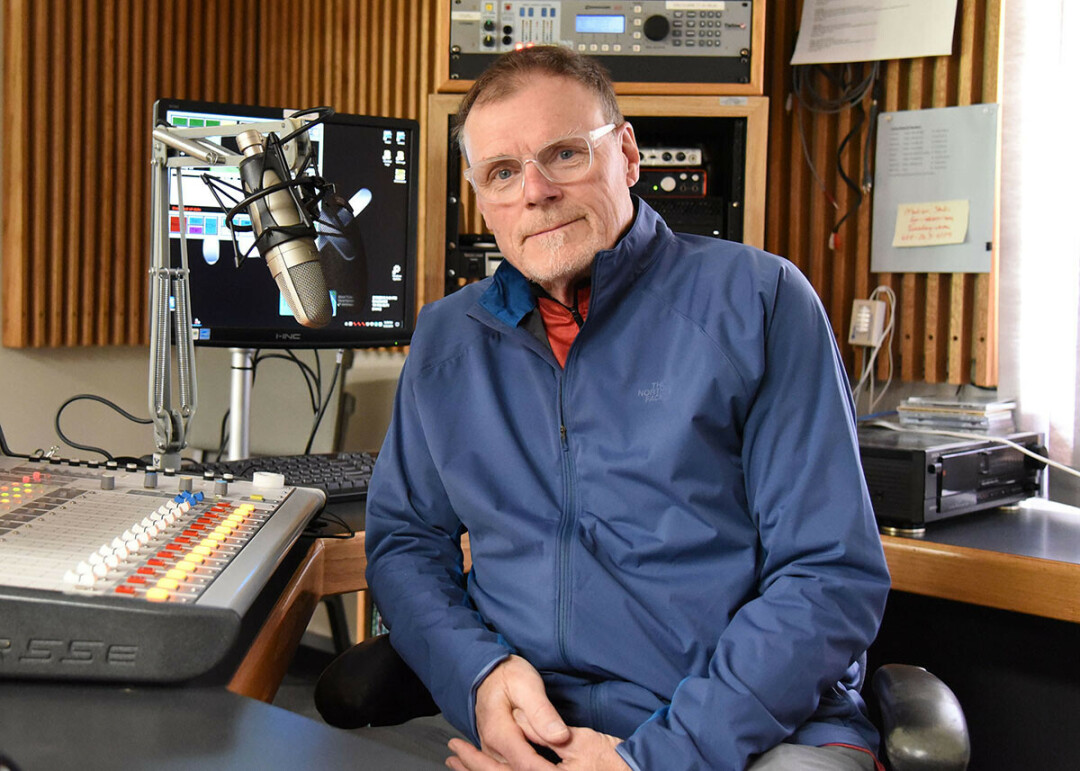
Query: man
[[649, 438]]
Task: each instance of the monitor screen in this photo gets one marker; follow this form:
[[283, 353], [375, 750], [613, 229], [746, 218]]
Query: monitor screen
[[369, 259]]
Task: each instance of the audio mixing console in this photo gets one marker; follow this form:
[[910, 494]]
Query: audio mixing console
[[134, 575]]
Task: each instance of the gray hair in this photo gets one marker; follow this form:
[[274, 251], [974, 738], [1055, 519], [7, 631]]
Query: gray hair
[[510, 70]]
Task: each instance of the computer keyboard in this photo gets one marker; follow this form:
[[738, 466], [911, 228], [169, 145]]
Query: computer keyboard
[[343, 476]]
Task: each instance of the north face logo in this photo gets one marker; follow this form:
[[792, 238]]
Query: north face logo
[[655, 393]]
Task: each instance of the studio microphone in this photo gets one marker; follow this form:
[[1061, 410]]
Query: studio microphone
[[284, 237]]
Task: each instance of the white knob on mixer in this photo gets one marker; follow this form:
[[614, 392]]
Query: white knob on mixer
[[267, 479]]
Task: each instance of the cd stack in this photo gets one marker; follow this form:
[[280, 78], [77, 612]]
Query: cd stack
[[958, 413]]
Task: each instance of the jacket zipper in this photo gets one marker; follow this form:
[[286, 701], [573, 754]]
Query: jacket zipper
[[566, 529]]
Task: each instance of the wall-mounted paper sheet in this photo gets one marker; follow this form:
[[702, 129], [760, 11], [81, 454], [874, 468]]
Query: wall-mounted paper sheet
[[934, 190], [865, 31], [935, 223]]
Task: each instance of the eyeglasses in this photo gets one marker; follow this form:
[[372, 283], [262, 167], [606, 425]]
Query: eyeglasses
[[502, 178]]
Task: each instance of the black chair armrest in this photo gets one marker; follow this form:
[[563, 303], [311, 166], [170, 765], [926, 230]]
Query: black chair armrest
[[923, 723], [369, 684]]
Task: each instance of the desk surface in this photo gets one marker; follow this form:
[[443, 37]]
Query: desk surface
[[71, 726], [1023, 558]]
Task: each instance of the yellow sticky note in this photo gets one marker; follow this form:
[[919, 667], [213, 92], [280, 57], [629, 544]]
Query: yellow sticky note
[[934, 223]]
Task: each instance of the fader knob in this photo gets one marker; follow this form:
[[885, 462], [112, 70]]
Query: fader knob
[[108, 482], [657, 27]]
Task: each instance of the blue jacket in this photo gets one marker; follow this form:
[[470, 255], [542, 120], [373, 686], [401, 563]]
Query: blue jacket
[[674, 529]]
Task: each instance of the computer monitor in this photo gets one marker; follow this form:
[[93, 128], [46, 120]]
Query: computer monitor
[[369, 261]]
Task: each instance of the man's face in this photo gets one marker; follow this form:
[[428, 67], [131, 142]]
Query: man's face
[[551, 232]]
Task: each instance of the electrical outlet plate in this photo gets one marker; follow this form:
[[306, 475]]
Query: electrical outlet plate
[[867, 323]]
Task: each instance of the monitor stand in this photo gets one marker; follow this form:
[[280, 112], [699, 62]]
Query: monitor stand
[[242, 378]]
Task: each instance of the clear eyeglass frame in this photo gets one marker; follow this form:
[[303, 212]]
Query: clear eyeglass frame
[[502, 178]]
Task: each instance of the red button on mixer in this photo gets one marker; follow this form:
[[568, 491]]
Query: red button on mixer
[[145, 571]]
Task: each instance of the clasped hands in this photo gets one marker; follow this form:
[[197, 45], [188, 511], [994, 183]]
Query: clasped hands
[[512, 709]]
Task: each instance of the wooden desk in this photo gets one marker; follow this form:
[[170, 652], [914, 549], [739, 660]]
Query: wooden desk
[[1024, 559], [331, 566]]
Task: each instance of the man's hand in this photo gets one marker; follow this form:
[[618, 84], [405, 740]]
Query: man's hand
[[512, 710], [586, 750]]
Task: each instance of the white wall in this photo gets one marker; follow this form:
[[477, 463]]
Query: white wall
[[34, 383]]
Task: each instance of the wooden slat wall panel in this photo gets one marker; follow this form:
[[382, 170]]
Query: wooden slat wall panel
[[360, 56], [80, 78], [369, 57], [946, 324]]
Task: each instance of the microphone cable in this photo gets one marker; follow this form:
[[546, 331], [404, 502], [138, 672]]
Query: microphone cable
[[326, 402], [311, 379], [318, 526], [107, 403], [223, 436]]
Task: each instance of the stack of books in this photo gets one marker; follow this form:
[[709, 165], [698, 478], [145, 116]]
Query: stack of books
[[967, 413]]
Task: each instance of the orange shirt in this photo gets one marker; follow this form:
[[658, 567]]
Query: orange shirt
[[559, 322]]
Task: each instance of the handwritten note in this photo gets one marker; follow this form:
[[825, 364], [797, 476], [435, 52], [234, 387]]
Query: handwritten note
[[931, 224]]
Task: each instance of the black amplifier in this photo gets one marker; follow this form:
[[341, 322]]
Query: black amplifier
[[656, 182], [918, 478]]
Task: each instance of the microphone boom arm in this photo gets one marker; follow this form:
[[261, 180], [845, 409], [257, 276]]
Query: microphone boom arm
[[169, 284]]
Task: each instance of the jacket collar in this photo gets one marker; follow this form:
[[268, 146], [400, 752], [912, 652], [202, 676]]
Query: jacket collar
[[510, 297]]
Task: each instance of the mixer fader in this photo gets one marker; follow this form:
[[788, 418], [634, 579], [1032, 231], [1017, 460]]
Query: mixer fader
[[109, 573]]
